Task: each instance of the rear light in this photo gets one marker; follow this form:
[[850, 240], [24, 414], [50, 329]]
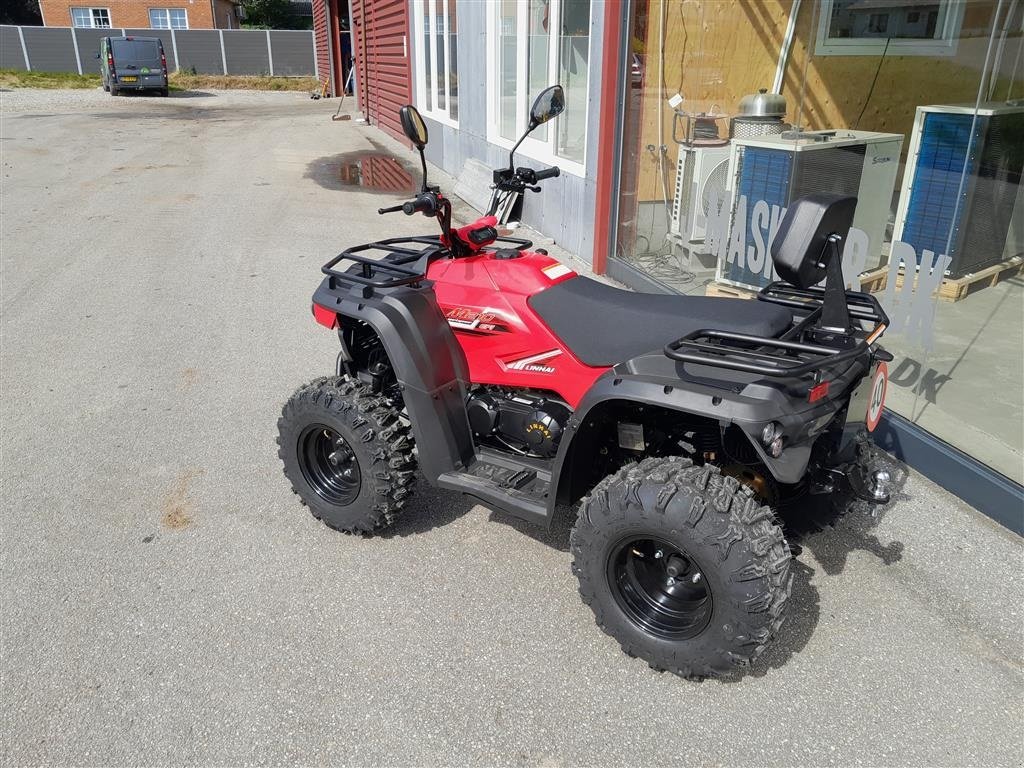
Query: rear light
[[110, 63], [773, 439], [818, 391], [163, 62], [325, 317]]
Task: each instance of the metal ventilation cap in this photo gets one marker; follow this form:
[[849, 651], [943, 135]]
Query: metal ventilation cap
[[763, 104]]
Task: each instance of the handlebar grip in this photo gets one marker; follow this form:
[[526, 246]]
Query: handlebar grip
[[550, 173], [392, 209]]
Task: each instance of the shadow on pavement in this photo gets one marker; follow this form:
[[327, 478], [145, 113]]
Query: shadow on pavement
[[428, 508]]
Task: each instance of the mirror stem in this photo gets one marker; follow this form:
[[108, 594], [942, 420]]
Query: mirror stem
[[512, 152], [423, 165]]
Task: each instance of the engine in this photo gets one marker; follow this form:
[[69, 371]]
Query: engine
[[527, 423]]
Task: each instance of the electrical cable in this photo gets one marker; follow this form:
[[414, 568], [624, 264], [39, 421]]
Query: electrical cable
[[874, 80]]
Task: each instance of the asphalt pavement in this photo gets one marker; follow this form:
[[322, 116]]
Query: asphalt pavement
[[165, 600]]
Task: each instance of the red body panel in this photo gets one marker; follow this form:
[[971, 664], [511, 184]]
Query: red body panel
[[485, 301]]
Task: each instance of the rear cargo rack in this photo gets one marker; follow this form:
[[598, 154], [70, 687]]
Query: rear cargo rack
[[397, 254], [761, 355]]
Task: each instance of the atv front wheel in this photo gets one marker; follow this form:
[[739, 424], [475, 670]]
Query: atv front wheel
[[682, 566], [347, 454]]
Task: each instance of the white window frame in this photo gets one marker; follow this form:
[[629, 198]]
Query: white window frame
[[167, 17], [423, 72], [535, 149], [92, 19], [951, 17]]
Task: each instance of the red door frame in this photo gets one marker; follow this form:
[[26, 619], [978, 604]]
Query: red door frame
[[615, 15]]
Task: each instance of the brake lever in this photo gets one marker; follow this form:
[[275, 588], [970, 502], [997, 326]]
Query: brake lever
[[392, 209], [532, 188]]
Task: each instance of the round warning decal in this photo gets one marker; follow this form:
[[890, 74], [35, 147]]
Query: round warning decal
[[876, 399]]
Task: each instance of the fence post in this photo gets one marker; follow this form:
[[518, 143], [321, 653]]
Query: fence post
[[270, 54], [24, 50], [78, 57], [316, 59], [174, 47], [223, 54]]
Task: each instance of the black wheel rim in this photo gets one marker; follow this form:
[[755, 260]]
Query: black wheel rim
[[329, 465], [659, 587]]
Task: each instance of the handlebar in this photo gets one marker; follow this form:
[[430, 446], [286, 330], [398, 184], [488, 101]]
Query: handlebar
[[425, 203], [550, 173]]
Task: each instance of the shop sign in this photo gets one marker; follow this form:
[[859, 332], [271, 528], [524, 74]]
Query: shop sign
[[744, 258]]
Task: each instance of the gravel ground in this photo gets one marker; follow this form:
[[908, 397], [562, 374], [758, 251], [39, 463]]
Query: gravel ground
[[165, 600]]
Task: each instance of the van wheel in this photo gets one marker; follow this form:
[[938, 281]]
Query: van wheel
[[114, 91], [165, 92], [106, 88]]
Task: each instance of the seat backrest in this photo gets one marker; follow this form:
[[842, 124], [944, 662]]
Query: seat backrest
[[798, 249]]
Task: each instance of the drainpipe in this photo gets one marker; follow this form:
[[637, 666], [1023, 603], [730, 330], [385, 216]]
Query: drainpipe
[[787, 42]]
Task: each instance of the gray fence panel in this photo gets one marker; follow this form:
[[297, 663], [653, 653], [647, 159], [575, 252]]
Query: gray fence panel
[[165, 38], [11, 56], [199, 49], [293, 52], [89, 46], [50, 49], [246, 52]]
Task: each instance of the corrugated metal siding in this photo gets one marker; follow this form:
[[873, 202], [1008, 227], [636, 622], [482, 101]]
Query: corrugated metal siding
[[50, 49], [200, 49], [11, 55], [293, 52], [246, 52], [321, 35], [382, 61]]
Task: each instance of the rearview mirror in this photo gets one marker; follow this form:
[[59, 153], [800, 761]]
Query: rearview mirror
[[549, 104], [413, 125]]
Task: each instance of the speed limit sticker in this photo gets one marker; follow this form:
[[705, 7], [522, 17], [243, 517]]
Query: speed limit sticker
[[876, 399]]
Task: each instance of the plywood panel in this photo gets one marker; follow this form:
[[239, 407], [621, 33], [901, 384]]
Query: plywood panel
[[716, 52]]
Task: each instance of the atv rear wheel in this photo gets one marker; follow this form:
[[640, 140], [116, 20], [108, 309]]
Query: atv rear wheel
[[347, 454], [682, 566]]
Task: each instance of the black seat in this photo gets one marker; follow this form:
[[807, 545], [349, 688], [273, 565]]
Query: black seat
[[603, 325]]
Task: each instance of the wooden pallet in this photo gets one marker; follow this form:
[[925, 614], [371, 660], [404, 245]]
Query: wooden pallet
[[727, 291], [951, 289]]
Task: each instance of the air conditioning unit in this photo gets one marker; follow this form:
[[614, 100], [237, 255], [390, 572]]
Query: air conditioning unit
[[701, 177], [961, 190], [768, 173]]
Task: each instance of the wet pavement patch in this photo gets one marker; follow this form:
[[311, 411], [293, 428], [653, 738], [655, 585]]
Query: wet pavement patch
[[370, 170]]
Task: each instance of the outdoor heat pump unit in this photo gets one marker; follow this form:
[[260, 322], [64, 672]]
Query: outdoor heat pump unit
[[976, 217], [770, 172], [702, 174]]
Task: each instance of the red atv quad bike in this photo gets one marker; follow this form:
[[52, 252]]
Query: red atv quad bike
[[683, 423]]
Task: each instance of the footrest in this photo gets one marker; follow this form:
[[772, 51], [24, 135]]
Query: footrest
[[504, 483]]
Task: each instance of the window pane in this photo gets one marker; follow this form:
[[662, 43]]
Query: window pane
[[537, 75], [428, 94], [81, 17], [438, 76], [178, 18], [507, 70], [453, 72], [866, 19], [158, 18], [573, 60], [100, 17]]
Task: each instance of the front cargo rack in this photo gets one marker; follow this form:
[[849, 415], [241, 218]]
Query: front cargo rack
[[398, 254], [784, 356]]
